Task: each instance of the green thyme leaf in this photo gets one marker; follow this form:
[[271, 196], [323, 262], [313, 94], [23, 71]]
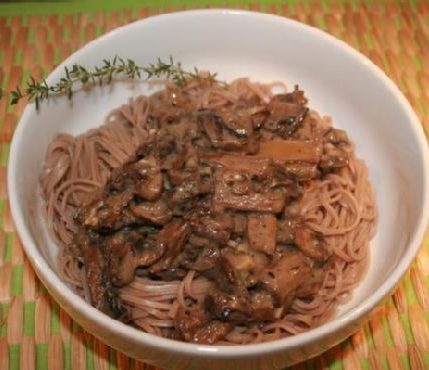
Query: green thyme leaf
[[110, 69]]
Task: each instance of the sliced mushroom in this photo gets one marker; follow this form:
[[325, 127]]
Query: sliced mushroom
[[271, 200], [210, 123], [333, 157], [171, 239], [217, 227], [228, 307], [206, 259], [261, 232], [151, 184], [188, 322], [107, 213], [285, 276], [156, 212], [311, 243], [212, 332], [336, 136]]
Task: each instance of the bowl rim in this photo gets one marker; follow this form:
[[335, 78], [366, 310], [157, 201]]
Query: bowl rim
[[211, 351]]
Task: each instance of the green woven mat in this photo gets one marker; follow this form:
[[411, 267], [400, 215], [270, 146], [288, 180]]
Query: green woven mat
[[35, 333]]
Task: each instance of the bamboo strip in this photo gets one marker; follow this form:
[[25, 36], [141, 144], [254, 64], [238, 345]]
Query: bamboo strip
[[4, 354], [15, 73], [138, 365], [7, 219], [5, 37], [422, 24], [321, 363], [399, 298], [423, 7], [332, 24], [350, 358], [78, 352], [57, 34], [36, 72], [48, 56], [52, 20], [21, 37], [393, 359], [417, 279], [34, 20], [17, 252], [29, 282], [374, 360], [5, 278], [300, 366], [65, 326], [416, 359], [83, 20], [16, 22], [127, 16], [41, 35], [55, 353], [28, 353], [419, 327], [360, 343], [6, 133], [2, 249], [68, 20], [396, 329], [101, 358], [98, 19], [122, 361], [15, 321], [42, 318], [90, 32], [376, 326]]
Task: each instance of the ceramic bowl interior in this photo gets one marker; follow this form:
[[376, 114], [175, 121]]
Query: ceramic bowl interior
[[338, 81]]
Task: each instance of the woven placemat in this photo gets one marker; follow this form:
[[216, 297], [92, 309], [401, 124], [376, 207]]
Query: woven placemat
[[35, 333]]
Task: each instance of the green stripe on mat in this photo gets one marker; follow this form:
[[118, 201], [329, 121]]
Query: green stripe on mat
[[42, 356], [4, 156], [67, 355], [364, 364], [14, 354], [336, 364], [55, 318], [410, 293], [426, 359], [112, 360], [29, 310], [16, 281], [386, 332], [4, 307], [384, 363], [405, 321], [8, 247], [2, 202], [89, 358], [309, 365], [109, 5], [404, 361]]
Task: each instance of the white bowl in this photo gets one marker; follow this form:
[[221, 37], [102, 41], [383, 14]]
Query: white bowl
[[338, 81]]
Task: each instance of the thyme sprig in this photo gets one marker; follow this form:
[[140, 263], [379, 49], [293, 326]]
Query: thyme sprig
[[109, 70]]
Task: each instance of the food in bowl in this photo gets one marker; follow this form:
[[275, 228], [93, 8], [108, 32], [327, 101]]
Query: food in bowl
[[211, 213]]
